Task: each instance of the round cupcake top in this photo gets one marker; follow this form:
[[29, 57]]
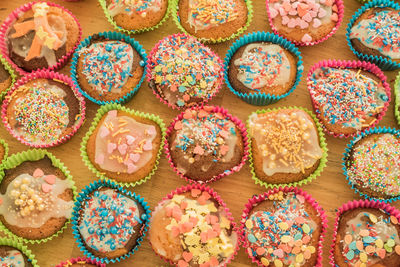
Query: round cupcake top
[[287, 139], [375, 164], [184, 71], [349, 98], [5, 78], [281, 234], [380, 31], [129, 7], [10, 256], [108, 220]]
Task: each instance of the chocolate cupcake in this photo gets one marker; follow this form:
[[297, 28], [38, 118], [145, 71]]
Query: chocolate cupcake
[[183, 72], [10, 256], [42, 36], [5, 78], [367, 237], [286, 145], [205, 143]]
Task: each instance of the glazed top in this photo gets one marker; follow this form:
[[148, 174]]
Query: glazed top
[[129, 7]]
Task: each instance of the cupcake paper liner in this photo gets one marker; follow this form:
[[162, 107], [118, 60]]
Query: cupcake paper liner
[[110, 19], [45, 74], [397, 98], [214, 109], [79, 259], [358, 204], [111, 36], [259, 198], [348, 149], [262, 99], [12, 75], [366, 66], [100, 113], [15, 244], [6, 150], [175, 15], [383, 63], [13, 17], [213, 194], [34, 155], [322, 142], [149, 76], [75, 218], [340, 6]]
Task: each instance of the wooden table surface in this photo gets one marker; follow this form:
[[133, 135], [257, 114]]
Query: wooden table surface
[[330, 189]]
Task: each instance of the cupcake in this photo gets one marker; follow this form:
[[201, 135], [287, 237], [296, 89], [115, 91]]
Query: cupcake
[[206, 143], [366, 236], [182, 72], [212, 20], [192, 227], [305, 22], [41, 35], [348, 97], [372, 164], [36, 196], [7, 77], [123, 145], [81, 262], [109, 222], [286, 145], [14, 254], [108, 67], [284, 228], [43, 109], [3, 150]]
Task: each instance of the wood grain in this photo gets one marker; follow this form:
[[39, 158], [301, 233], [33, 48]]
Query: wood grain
[[330, 189]]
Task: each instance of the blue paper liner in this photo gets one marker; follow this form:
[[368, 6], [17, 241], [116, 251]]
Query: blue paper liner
[[383, 63], [83, 196], [375, 130], [262, 99], [111, 36]]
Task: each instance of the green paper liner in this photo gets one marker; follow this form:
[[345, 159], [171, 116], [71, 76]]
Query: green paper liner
[[397, 98], [322, 143], [174, 10], [21, 247], [110, 19], [34, 155], [6, 150], [100, 113], [12, 75]]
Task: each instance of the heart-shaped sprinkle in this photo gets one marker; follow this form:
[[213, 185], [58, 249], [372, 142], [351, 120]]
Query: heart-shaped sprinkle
[[187, 114], [198, 150], [306, 38], [122, 148], [99, 159], [113, 113], [111, 147], [202, 113], [50, 179], [46, 187], [187, 256], [38, 173], [285, 20], [195, 192], [131, 168], [151, 130], [316, 23], [134, 157], [148, 145], [273, 13], [130, 139], [104, 131], [178, 125]]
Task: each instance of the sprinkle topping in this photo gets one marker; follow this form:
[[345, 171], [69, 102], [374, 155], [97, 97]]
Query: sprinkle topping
[[13, 258], [130, 7]]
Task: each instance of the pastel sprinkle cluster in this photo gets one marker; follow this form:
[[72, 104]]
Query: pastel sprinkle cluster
[[376, 165], [184, 67], [13, 258], [346, 97], [282, 235], [140, 7]]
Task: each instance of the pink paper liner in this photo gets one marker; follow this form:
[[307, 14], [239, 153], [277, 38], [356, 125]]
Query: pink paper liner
[[214, 195], [75, 260], [14, 16], [358, 204], [259, 198], [149, 68], [215, 109], [46, 74], [340, 6], [366, 66]]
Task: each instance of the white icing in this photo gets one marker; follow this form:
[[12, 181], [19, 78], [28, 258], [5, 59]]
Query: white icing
[[14, 258], [130, 7]]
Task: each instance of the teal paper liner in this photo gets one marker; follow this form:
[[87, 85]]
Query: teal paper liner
[[83, 196], [383, 63], [262, 99], [111, 36], [375, 130]]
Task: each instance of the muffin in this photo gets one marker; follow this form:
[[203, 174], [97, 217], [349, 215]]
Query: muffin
[[110, 222], [42, 36], [43, 111], [108, 69], [5, 79], [10, 256], [193, 228], [347, 100], [212, 19], [367, 237], [304, 21], [285, 145], [183, 72], [205, 143], [3, 150], [36, 197], [376, 33], [124, 146], [262, 67], [283, 230], [136, 15], [373, 165]]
